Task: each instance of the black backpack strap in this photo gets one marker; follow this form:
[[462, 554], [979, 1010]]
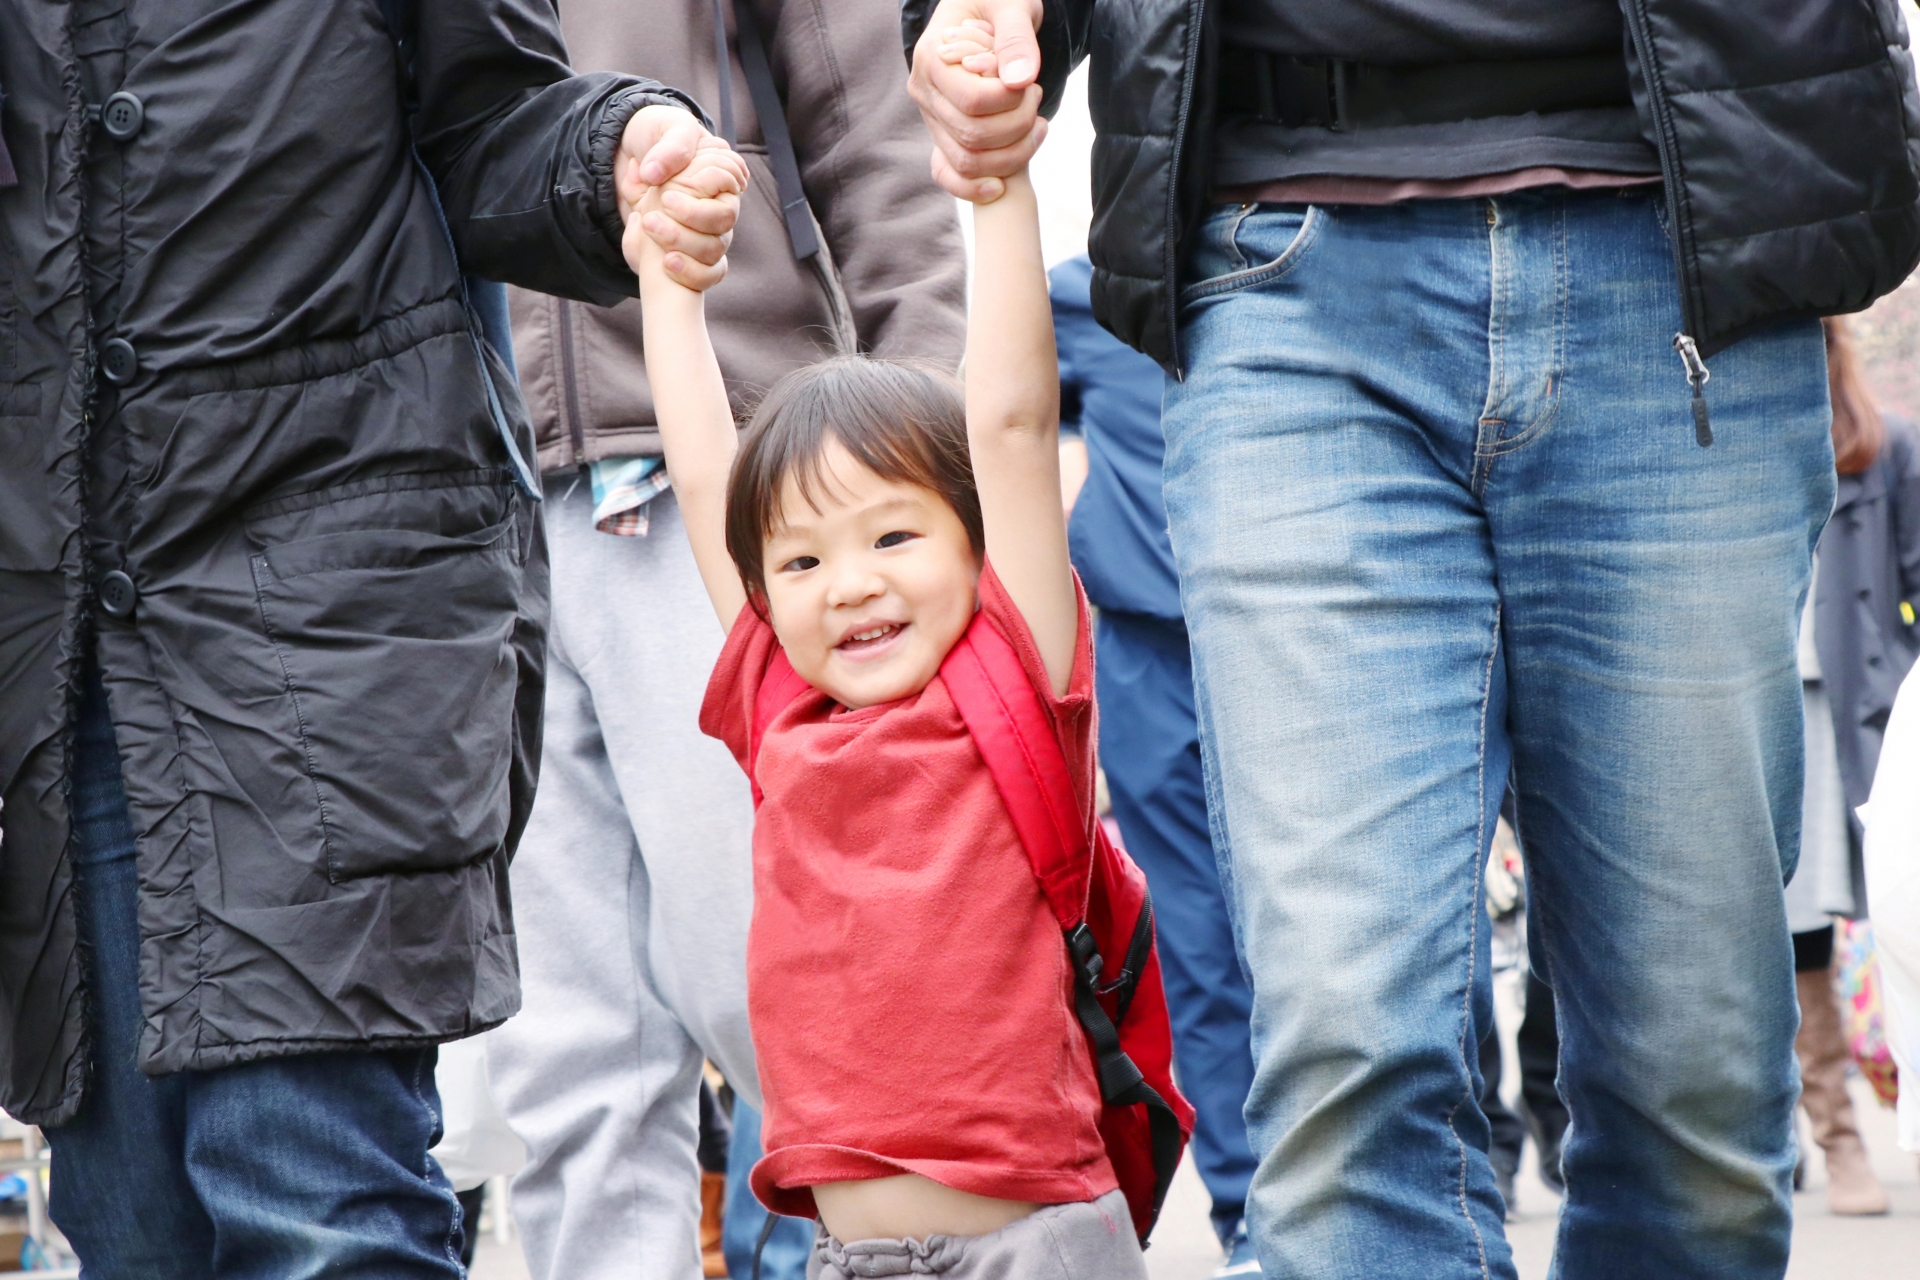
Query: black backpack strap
[[773, 121], [760, 1245], [484, 301], [1121, 1083]]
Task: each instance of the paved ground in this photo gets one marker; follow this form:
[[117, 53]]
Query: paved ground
[[1824, 1247]]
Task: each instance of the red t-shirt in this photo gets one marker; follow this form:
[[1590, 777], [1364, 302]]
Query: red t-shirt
[[910, 997]]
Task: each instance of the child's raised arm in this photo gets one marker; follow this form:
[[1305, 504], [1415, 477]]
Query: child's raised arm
[[690, 403], [1013, 418]]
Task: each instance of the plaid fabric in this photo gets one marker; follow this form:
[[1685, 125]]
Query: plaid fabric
[[622, 488]]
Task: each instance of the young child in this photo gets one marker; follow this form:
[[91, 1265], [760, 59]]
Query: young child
[[929, 1092]]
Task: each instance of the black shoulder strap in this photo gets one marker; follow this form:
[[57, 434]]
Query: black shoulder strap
[[773, 119]]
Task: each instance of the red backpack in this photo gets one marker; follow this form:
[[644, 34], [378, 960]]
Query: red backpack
[[1097, 893]]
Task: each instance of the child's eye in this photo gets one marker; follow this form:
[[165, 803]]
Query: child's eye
[[800, 563], [894, 539]]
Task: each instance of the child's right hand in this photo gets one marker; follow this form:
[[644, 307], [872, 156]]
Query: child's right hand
[[703, 198], [969, 46]]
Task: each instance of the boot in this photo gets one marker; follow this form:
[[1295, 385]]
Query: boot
[[713, 1199], [1822, 1048]]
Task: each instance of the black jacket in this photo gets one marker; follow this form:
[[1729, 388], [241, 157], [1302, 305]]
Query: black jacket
[[1869, 570], [327, 689], [1788, 133]]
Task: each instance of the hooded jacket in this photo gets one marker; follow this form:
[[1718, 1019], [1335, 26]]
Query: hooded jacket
[[890, 278], [1788, 135], [247, 460]]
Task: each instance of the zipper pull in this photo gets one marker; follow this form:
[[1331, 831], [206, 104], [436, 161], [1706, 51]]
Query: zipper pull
[[1697, 376]]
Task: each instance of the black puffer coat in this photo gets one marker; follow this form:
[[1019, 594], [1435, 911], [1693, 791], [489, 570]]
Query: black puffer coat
[[325, 675], [1788, 132]]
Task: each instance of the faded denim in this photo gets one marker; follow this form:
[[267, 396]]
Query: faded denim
[[1438, 511]]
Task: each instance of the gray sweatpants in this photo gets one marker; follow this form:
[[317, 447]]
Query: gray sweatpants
[[1092, 1240], [631, 895]]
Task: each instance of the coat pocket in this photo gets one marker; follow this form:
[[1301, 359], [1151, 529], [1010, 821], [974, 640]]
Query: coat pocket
[[391, 606]]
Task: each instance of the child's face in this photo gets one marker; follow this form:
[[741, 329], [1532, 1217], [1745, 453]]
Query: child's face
[[868, 593]]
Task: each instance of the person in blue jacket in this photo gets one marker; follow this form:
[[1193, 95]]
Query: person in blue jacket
[[1149, 738]]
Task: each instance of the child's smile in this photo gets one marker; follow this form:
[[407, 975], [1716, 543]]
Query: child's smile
[[873, 642], [869, 581]]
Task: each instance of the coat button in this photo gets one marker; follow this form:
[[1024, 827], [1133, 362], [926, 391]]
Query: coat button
[[118, 594], [122, 115], [118, 360]]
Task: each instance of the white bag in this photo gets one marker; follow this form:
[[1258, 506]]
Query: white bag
[[477, 1143], [1892, 819]]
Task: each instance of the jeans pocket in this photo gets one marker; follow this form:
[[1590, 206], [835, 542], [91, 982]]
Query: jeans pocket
[[1251, 245]]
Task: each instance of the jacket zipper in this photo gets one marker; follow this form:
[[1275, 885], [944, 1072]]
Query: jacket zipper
[[1190, 72], [1683, 342], [576, 430]]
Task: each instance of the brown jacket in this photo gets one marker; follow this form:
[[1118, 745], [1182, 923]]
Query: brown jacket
[[890, 281]]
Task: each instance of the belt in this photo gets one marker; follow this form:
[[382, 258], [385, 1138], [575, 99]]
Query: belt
[[1341, 94]]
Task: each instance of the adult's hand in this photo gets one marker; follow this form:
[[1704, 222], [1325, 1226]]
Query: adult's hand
[[984, 128], [711, 184], [659, 143]]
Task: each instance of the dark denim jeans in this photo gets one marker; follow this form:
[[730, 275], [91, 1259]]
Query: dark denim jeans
[[280, 1169]]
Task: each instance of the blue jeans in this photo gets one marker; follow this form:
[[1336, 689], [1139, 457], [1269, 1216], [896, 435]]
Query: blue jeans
[[785, 1257], [1438, 512], [276, 1170], [1150, 748]]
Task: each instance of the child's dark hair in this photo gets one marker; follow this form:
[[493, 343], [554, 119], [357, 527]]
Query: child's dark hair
[[903, 421]]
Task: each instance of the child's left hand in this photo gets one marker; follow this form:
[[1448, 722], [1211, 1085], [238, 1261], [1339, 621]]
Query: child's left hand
[[703, 199]]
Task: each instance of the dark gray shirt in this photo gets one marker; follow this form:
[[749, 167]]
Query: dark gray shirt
[[1425, 32]]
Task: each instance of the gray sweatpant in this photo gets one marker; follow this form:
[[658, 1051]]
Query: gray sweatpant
[[1092, 1240], [631, 895]]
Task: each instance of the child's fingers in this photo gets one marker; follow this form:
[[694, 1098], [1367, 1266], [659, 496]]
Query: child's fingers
[[982, 63], [710, 181], [723, 159], [693, 273], [713, 215], [672, 234], [977, 190]]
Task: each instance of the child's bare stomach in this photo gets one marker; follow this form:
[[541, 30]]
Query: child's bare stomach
[[908, 1206]]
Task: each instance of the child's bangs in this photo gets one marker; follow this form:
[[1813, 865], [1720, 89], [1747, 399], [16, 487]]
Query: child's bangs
[[904, 422]]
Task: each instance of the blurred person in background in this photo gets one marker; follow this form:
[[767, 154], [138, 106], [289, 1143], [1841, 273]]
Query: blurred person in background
[[1857, 643], [1440, 286], [273, 593], [1149, 740], [632, 889]]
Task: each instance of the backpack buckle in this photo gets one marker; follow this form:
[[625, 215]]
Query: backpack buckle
[[1086, 954]]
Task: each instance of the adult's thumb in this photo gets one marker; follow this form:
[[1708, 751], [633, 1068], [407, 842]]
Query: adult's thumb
[[1014, 44]]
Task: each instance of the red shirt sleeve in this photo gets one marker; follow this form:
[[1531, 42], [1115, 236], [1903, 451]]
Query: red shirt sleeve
[[726, 712]]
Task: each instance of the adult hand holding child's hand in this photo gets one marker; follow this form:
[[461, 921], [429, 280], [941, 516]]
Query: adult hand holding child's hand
[[984, 116], [661, 147], [677, 221]]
